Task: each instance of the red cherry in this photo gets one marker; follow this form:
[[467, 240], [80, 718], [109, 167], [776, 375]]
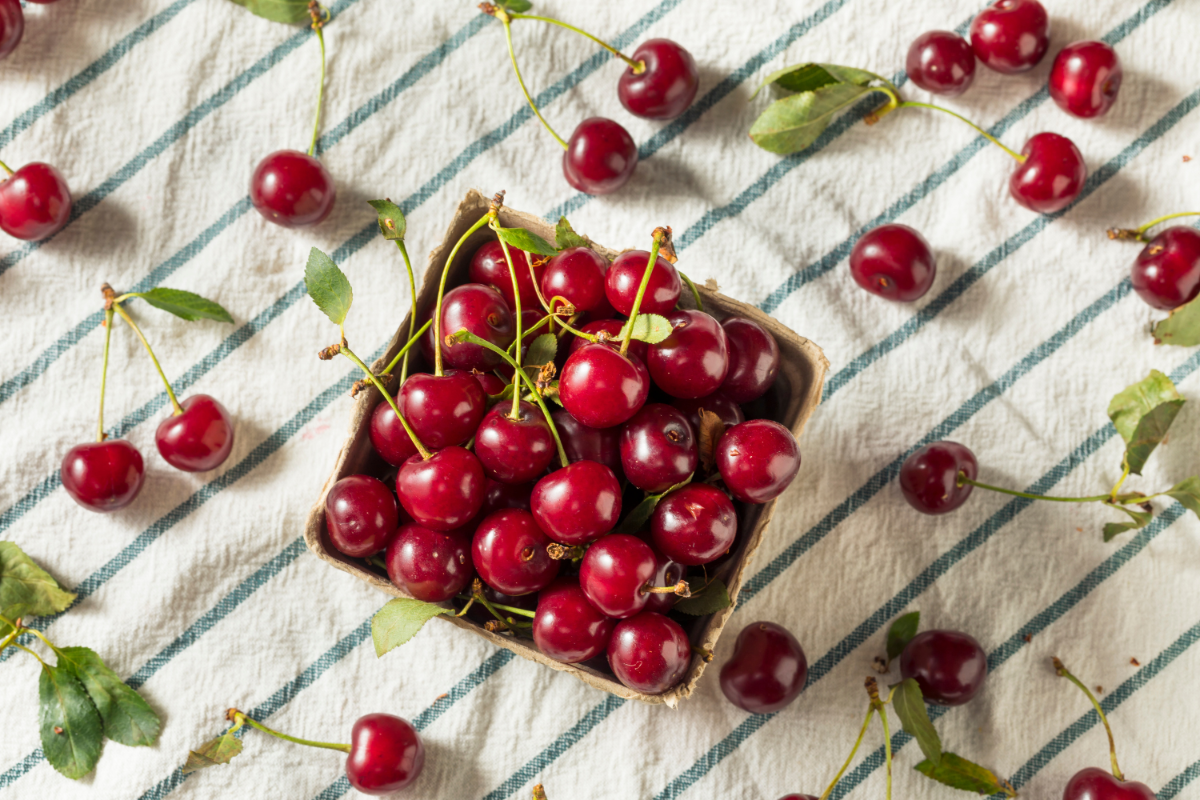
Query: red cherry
[[757, 460], [492, 385], [950, 667], [444, 491], [443, 410], [611, 329], [1166, 273], [1011, 36], [576, 274], [649, 653], [566, 627], [361, 515], [753, 360], [625, 278], [386, 754], [577, 504], [602, 388], [388, 436], [103, 476], [694, 360], [199, 439], [581, 443], [481, 310], [929, 477], [432, 565], [509, 553], [614, 573], [514, 450], [1085, 79], [1052, 176], [499, 495], [666, 573], [666, 85], [893, 261], [35, 201], [12, 25], [1096, 784], [729, 412], [767, 670], [600, 157], [694, 524], [941, 62], [658, 448], [490, 267], [292, 189]]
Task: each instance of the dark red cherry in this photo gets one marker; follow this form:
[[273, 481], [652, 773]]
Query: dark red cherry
[[1052, 176], [35, 201], [615, 572], [1166, 273], [444, 491], [509, 553], [577, 504], [567, 627], [431, 565], [388, 436], [941, 62], [199, 439], [893, 261], [694, 524], [386, 754], [694, 360], [490, 267], [1085, 79], [625, 278], [581, 443], [576, 274], [665, 86], [929, 477], [514, 450], [753, 360], [481, 310], [757, 460], [666, 573], [948, 666], [602, 388], [767, 670], [491, 383], [608, 330], [499, 496], [649, 653], [600, 157], [361, 515], [12, 25], [1096, 784], [658, 448], [443, 410], [729, 412], [292, 189], [1011, 36], [103, 476]]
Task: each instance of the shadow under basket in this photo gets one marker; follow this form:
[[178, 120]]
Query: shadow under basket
[[791, 401]]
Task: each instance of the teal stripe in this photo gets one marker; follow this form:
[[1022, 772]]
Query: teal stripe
[[1179, 782]]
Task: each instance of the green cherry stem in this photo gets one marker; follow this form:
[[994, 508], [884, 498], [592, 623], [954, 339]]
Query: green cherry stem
[[4, 167], [504, 18], [348, 353], [412, 318], [1117, 486], [320, 15], [894, 103], [659, 234], [233, 715], [402, 354], [512, 271], [1112, 745], [887, 746], [845, 766], [695, 292], [1139, 234], [963, 480], [437, 312], [129, 321], [108, 326], [638, 67]]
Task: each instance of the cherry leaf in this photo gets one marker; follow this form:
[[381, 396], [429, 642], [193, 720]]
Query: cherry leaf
[[712, 598], [400, 620], [910, 707], [289, 11], [636, 519], [328, 286], [1138, 519], [525, 240], [1181, 327], [391, 219], [220, 750], [542, 351], [68, 722], [27, 590], [712, 428], [793, 123], [566, 237], [1142, 413], [958, 773], [516, 6], [810, 77], [185, 305], [649, 328], [901, 633], [127, 717], [1187, 492]]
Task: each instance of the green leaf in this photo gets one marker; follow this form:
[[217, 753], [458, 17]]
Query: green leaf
[[1181, 327], [27, 590], [68, 722], [128, 718], [328, 286], [636, 519], [795, 122], [810, 77], [391, 219], [649, 328], [289, 11], [542, 351], [1140, 519], [910, 707], [901, 633], [712, 598], [958, 773], [1187, 492], [525, 240], [566, 237], [551, 391], [185, 305], [518, 6], [1142, 413], [220, 750], [400, 620]]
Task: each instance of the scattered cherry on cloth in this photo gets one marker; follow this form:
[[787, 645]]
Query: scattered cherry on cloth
[[1052, 175], [386, 754], [600, 157], [1011, 36], [893, 261], [767, 670], [1086, 78], [1166, 274], [103, 476], [941, 62], [199, 439], [35, 201], [950, 667], [929, 477], [666, 85], [292, 189]]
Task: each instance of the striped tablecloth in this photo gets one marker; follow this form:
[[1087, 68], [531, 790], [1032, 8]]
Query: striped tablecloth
[[202, 593]]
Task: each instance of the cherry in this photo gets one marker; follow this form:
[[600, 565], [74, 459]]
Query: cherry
[[694, 360], [649, 653], [292, 189], [361, 515], [600, 157], [443, 410], [694, 524], [1096, 784], [12, 25], [490, 267], [1166, 273], [444, 491], [491, 384], [1011, 36], [577, 275], [514, 450], [625, 278], [941, 62], [103, 476], [386, 754], [757, 460], [947, 665], [581, 443], [1085, 79], [767, 670], [35, 201], [509, 553], [729, 412], [199, 439], [666, 85], [614, 573], [1051, 177], [432, 565], [577, 504], [753, 360], [566, 627], [602, 388], [666, 573], [893, 261], [929, 477], [658, 448], [481, 310], [388, 436], [608, 330], [499, 495]]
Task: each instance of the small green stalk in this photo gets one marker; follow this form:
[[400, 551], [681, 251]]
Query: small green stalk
[[1117, 486], [494, 213], [887, 747], [108, 326], [412, 318], [1112, 745], [437, 312], [504, 18], [240, 718], [348, 353], [318, 25], [129, 321], [403, 353], [659, 233], [894, 103], [963, 480], [695, 292], [1139, 234], [866, 723], [4, 167], [638, 67]]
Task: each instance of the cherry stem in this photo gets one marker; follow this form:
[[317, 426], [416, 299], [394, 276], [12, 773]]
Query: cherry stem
[[881, 707], [695, 292], [560, 552], [1112, 745], [4, 167], [318, 24], [233, 715], [108, 326], [638, 67], [862, 733], [348, 353], [540, 323], [1117, 486], [537, 289], [910, 104], [1139, 234], [682, 589], [659, 233], [963, 480], [503, 16], [494, 213], [437, 313], [129, 321], [412, 318], [403, 352], [539, 793], [466, 608]]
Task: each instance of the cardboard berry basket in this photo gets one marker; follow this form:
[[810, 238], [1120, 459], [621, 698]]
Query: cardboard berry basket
[[791, 401]]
